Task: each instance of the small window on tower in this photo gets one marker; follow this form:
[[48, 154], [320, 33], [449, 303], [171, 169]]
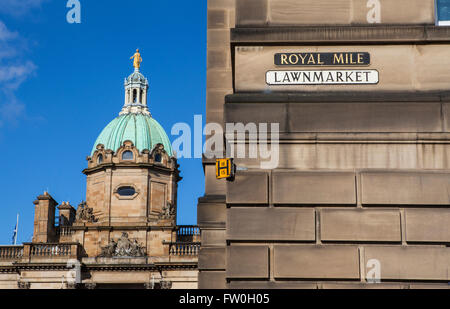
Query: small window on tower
[[134, 96], [100, 159], [158, 157], [126, 191], [127, 155]]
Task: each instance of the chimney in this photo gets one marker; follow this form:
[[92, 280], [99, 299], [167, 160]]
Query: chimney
[[66, 214], [44, 219]]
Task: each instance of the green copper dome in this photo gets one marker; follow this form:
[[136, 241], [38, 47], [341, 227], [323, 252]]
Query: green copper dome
[[144, 131]]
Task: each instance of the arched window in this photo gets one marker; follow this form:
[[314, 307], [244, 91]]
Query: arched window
[[134, 96], [158, 157], [127, 155], [99, 159]]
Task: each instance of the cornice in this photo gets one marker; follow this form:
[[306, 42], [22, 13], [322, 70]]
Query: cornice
[[148, 227], [336, 97], [39, 266], [141, 267], [16, 267], [212, 199], [105, 166], [368, 34]]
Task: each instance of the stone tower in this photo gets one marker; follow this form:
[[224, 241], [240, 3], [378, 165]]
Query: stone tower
[[132, 174], [125, 235]]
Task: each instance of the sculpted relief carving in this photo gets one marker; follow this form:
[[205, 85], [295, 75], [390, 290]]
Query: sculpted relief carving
[[123, 247], [85, 213], [168, 211]]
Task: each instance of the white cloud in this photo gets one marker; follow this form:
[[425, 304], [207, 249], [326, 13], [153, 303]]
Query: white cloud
[[12, 75], [5, 34], [14, 70], [11, 108], [19, 7], [14, 67]]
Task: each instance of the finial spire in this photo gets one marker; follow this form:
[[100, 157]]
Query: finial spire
[[136, 89], [137, 59]]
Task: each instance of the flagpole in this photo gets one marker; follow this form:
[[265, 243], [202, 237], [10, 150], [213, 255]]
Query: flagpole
[[17, 229]]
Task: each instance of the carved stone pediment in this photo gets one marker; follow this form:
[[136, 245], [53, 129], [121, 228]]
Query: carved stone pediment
[[123, 247]]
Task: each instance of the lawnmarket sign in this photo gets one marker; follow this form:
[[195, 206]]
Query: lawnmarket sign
[[322, 77]]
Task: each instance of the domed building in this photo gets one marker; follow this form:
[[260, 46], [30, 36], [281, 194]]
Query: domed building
[[125, 235]]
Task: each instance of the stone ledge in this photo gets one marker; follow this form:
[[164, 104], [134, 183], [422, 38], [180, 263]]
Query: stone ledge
[[381, 34], [343, 97], [334, 117], [212, 199]]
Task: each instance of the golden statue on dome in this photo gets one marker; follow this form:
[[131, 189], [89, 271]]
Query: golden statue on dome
[[137, 59]]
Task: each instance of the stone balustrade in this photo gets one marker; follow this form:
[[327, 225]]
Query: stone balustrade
[[51, 252], [10, 252], [64, 230], [184, 248], [188, 233]]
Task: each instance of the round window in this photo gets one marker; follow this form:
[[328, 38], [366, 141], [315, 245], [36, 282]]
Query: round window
[[126, 191]]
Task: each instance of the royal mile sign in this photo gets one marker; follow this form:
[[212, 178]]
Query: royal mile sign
[[322, 59], [322, 77]]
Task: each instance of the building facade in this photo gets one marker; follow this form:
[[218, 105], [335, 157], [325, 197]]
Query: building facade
[[125, 235], [359, 197]]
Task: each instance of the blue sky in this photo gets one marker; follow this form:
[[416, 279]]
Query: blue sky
[[61, 84]]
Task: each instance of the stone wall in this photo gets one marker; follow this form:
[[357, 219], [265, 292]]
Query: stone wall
[[275, 13], [326, 225], [211, 207], [363, 172]]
